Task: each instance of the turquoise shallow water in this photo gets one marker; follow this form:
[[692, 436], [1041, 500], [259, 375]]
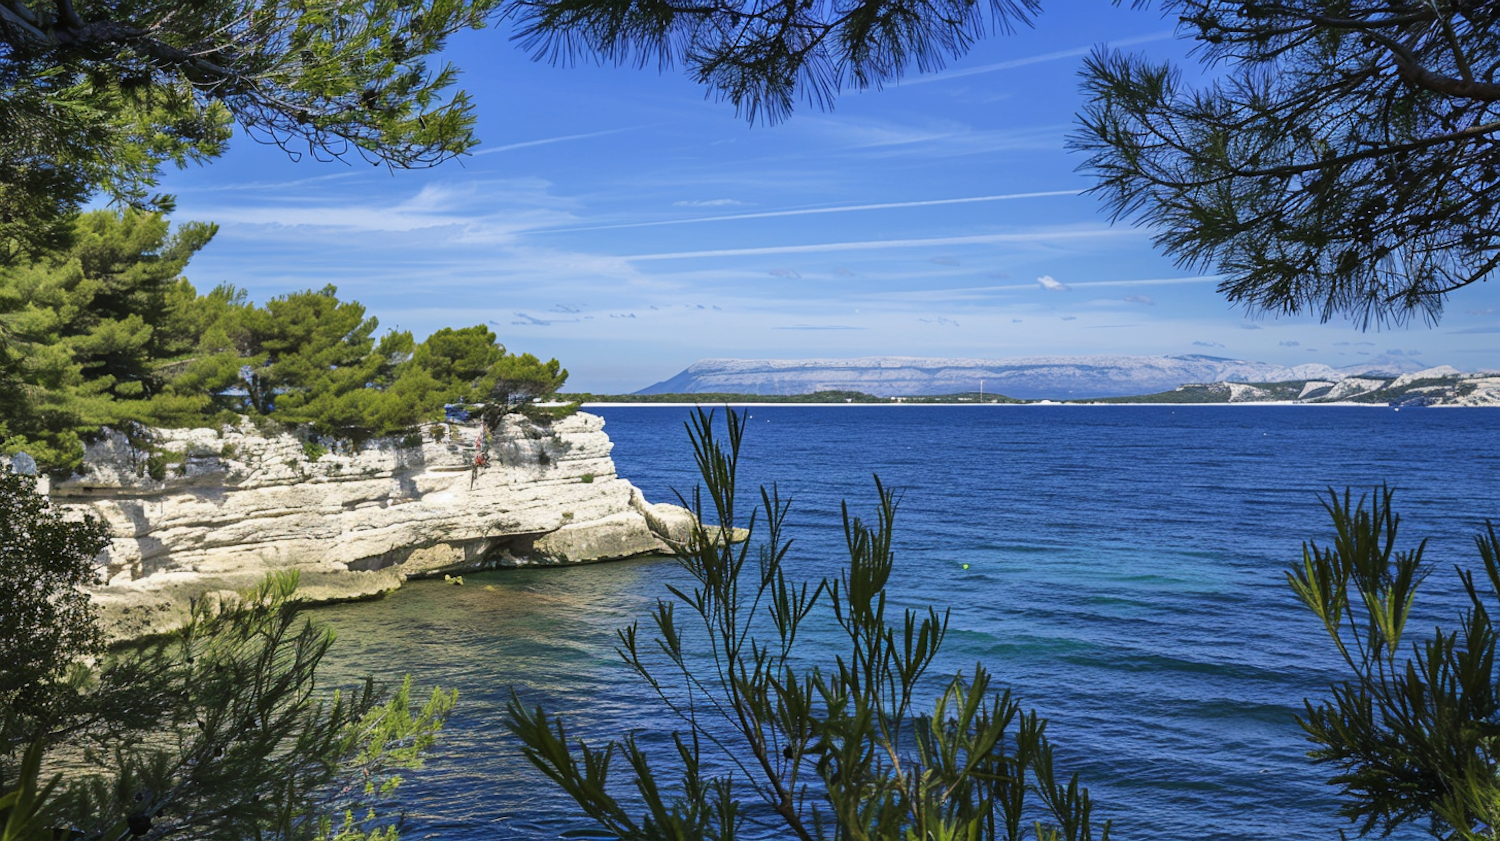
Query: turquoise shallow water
[[1125, 578]]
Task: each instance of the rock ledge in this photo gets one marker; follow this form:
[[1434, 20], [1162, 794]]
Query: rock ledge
[[233, 505]]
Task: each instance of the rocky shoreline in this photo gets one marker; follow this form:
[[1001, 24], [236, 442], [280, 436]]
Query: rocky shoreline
[[205, 513]]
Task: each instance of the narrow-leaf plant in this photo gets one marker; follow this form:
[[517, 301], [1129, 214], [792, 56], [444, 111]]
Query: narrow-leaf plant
[[805, 748]]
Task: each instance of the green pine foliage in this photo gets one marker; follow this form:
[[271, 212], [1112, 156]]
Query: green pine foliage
[[97, 97], [1337, 159], [217, 731], [109, 333], [516, 382]]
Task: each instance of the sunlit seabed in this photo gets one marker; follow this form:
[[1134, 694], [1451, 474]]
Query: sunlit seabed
[[1125, 577]]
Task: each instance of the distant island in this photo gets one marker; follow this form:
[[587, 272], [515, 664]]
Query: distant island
[[1024, 378], [1190, 379]]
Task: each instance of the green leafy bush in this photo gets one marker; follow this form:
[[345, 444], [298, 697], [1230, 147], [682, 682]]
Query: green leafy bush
[[218, 730], [156, 464], [1412, 732]]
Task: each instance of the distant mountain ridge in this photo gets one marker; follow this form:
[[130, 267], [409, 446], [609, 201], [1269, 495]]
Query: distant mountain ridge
[[1026, 377]]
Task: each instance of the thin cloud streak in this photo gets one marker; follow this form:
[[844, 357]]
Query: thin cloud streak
[[890, 243], [1164, 281], [1037, 59], [549, 140], [772, 214], [271, 185], [1032, 287]]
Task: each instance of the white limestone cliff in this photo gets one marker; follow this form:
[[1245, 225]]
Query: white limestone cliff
[[232, 505]]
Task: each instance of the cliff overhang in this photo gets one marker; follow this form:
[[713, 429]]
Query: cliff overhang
[[218, 509]]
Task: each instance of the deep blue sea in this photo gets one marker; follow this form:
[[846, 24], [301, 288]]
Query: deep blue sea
[[1125, 577]]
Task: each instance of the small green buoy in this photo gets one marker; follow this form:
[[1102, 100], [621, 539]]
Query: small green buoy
[[966, 566]]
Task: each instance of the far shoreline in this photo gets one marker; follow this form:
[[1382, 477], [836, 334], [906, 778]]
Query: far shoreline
[[1342, 404]]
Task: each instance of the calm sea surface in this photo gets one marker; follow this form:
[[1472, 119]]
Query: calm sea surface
[[1125, 578]]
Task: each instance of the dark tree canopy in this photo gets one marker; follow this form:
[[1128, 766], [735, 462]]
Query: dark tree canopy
[[44, 562], [99, 95], [109, 333], [1344, 159], [761, 55]]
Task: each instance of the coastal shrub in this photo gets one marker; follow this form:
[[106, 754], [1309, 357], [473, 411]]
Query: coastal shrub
[[587, 478], [547, 414], [48, 617], [218, 730], [833, 750], [517, 382], [156, 464], [313, 450], [1411, 733]]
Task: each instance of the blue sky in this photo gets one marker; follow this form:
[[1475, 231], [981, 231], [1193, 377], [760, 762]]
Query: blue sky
[[617, 220]]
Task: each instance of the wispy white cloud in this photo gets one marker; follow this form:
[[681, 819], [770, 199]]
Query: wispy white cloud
[[245, 186], [1051, 283], [943, 76], [477, 211], [707, 203], [871, 245], [1140, 299], [898, 290], [934, 139], [811, 211], [1156, 281], [547, 141]]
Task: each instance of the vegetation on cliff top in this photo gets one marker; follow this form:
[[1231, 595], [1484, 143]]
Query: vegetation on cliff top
[[109, 333]]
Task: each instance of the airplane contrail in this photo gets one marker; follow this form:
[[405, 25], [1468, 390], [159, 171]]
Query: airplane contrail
[[848, 208], [890, 243]]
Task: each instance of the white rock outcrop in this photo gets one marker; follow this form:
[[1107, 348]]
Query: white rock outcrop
[[1479, 390], [1441, 372], [232, 505], [1351, 387], [1312, 386], [1241, 392]]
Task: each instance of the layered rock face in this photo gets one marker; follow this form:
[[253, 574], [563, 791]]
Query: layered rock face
[[232, 505]]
